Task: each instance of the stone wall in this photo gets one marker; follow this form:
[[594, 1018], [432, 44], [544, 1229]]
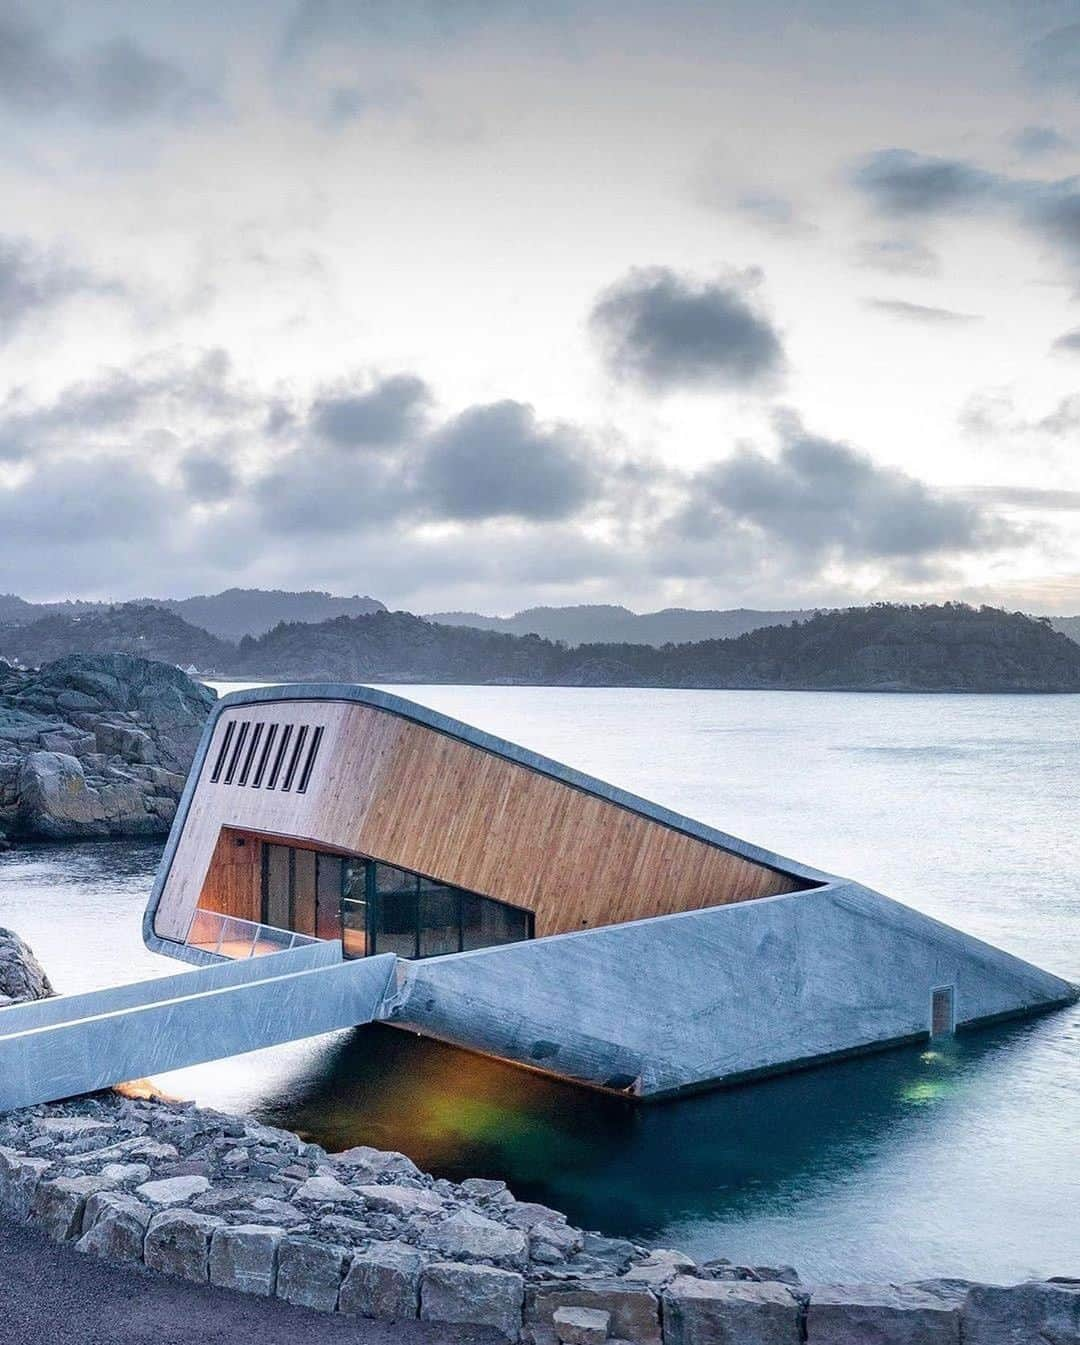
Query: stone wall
[[96, 745], [229, 1201]]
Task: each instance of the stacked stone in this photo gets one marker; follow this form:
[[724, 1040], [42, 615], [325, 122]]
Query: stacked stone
[[96, 745], [229, 1201]]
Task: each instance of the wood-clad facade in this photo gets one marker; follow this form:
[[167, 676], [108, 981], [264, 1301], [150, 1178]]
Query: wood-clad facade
[[357, 779]]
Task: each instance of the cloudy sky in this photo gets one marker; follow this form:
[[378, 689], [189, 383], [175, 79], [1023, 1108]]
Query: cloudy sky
[[476, 303]]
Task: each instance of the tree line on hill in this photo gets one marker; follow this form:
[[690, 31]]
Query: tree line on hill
[[884, 647]]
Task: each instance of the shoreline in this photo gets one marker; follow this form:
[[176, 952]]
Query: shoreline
[[223, 1200]]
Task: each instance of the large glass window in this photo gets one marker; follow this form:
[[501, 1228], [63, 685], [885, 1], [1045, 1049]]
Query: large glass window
[[377, 908]]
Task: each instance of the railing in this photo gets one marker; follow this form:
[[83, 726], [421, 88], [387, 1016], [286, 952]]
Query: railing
[[229, 936]]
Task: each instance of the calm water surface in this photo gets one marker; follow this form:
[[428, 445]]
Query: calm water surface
[[960, 1161]]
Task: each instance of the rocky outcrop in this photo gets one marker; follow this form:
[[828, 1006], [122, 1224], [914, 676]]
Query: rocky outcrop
[[228, 1201], [96, 745], [22, 976]]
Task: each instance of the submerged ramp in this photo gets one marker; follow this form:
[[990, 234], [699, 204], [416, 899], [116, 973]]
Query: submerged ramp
[[61, 1047], [656, 1007]]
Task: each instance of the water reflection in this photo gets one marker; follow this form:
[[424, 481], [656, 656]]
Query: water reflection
[[612, 1164]]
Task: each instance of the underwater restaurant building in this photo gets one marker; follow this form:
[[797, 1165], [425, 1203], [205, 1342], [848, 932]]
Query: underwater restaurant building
[[518, 907]]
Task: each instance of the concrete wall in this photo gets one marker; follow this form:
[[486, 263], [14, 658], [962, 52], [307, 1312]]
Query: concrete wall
[[684, 1000]]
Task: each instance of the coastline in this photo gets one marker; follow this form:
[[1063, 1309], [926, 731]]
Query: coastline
[[222, 1200]]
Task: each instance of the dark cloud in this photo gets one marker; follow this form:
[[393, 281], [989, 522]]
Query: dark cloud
[[776, 215], [494, 461], [1034, 141], [902, 184], [993, 414], [32, 281], [122, 409], [667, 331], [383, 415], [921, 313], [822, 498], [498, 461], [84, 502], [900, 257], [114, 80], [1068, 342], [208, 477]]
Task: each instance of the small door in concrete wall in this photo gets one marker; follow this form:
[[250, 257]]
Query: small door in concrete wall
[[943, 1011]]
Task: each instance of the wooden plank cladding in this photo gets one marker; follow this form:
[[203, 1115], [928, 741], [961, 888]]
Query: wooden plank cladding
[[397, 790]]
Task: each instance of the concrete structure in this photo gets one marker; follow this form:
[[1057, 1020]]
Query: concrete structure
[[341, 855]]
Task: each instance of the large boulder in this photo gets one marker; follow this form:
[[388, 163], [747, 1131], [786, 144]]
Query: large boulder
[[22, 976], [730, 1312], [474, 1296], [55, 799], [96, 745], [850, 1314], [1033, 1313]]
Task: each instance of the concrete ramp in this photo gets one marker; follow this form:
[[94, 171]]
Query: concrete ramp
[[677, 1002], [74, 1044]]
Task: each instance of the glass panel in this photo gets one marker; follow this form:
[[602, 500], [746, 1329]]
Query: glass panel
[[396, 932], [354, 941], [439, 919], [485, 923], [303, 897], [328, 886], [204, 930], [276, 887], [389, 879]]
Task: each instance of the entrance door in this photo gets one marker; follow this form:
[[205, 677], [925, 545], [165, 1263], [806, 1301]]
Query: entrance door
[[328, 880], [354, 908]]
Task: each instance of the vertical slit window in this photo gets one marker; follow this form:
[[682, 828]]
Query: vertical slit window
[[253, 747], [260, 769], [223, 750], [294, 760], [309, 764], [279, 757], [234, 760]]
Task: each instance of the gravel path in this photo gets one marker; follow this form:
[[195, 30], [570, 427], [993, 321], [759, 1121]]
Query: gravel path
[[53, 1295]]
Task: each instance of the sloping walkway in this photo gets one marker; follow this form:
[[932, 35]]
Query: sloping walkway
[[54, 1295]]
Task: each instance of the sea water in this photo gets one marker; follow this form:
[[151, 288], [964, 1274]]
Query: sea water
[[960, 1160]]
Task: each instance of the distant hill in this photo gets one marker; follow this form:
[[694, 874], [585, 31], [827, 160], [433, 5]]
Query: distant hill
[[601, 623], [253, 611], [230, 615], [881, 648], [129, 628]]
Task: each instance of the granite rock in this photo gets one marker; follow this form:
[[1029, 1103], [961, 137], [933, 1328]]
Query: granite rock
[[310, 1272], [114, 1226], [178, 1243], [851, 1314], [383, 1282], [730, 1312], [477, 1295], [1038, 1312], [244, 1257]]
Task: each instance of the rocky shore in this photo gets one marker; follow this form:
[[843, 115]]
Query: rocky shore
[[96, 745], [223, 1199]]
